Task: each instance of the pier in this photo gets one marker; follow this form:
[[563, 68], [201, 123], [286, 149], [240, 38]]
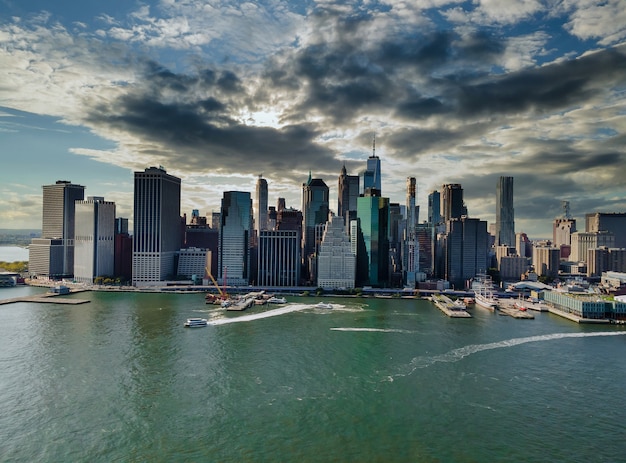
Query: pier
[[46, 298], [451, 308]]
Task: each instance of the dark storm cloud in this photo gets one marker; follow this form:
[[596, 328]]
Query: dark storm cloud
[[202, 136], [548, 88]]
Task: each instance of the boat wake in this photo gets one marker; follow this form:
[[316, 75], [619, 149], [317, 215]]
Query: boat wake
[[257, 316], [458, 354], [374, 330]]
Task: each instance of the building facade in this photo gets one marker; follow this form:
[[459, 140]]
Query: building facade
[[453, 206], [505, 213], [348, 188], [315, 209], [373, 220], [58, 223], [583, 241], [546, 260], [156, 225], [94, 253], [236, 227], [411, 246], [611, 222], [336, 263], [466, 249], [279, 258], [260, 205]]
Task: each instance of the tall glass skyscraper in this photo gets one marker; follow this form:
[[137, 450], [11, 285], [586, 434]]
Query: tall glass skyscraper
[[157, 231], [373, 218], [505, 214], [236, 225], [372, 176]]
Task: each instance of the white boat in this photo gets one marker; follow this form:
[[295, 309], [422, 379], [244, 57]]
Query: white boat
[[277, 300], [323, 305], [484, 295], [487, 301], [195, 322]]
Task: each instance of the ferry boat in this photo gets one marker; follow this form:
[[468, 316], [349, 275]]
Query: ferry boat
[[196, 322], [277, 300], [323, 305]]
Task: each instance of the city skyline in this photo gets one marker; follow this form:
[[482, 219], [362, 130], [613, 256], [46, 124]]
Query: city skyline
[[221, 92]]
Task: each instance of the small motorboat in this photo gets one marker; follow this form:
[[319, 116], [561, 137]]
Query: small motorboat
[[323, 305]]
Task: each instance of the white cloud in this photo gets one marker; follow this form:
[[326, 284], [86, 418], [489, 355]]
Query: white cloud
[[605, 21]]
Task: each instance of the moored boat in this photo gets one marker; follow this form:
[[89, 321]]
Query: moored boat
[[277, 300]]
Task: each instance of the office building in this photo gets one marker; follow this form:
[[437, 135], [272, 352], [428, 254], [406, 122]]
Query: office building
[[583, 241], [123, 260], [466, 249], [336, 263], [611, 222], [315, 208], [373, 219], [279, 261], [411, 245], [260, 205], [434, 207], [156, 226], [546, 261], [348, 188], [452, 205], [94, 241], [52, 255], [372, 176], [193, 262], [236, 227], [505, 214]]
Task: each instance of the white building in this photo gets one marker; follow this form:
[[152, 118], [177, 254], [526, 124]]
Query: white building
[[94, 239], [193, 261], [336, 263]]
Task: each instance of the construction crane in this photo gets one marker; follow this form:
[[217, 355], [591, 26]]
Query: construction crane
[[223, 294]]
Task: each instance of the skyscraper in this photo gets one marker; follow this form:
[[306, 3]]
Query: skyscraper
[[94, 242], [466, 248], [411, 246], [372, 176], [434, 208], [505, 214], [315, 208], [336, 263], [348, 193], [373, 219], [156, 225], [236, 225], [614, 222], [453, 206], [52, 255], [260, 205], [279, 258]]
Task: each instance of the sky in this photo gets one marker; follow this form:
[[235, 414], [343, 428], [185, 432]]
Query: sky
[[220, 92]]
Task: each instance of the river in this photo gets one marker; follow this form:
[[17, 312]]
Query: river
[[371, 380]]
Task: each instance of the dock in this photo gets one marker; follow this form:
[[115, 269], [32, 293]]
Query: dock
[[507, 307], [241, 304], [451, 308], [48, 298]]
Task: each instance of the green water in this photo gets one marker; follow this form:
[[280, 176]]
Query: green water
[[372, 380]]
